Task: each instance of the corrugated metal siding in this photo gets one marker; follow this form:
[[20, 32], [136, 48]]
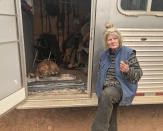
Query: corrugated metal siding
[[149, 46]]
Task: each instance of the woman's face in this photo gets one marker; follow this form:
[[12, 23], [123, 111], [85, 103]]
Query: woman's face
[[113, 42]]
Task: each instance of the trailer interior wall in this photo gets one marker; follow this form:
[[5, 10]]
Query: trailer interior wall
[[28, 40], [83, 6]]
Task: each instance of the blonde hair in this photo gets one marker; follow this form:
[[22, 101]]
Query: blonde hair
[[111, 30]]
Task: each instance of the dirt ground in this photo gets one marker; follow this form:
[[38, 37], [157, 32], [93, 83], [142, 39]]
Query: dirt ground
[[133, 118]]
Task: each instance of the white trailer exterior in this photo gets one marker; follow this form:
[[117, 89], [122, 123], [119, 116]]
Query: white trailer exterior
[[142, 30]]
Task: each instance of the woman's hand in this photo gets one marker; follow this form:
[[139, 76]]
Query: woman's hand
[[124, 67]]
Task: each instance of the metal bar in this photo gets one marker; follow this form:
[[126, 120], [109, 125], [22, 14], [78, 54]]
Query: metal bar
[[8, 15], [91, 45], [9, 42]]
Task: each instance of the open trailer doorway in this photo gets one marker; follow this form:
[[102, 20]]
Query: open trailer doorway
[[57, 37]]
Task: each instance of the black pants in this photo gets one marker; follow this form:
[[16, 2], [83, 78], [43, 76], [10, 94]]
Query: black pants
[[106, 115]]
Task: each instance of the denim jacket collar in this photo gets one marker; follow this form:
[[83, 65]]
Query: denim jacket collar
[[116, 52]]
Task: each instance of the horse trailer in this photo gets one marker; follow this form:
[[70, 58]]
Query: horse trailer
[[50, 50]]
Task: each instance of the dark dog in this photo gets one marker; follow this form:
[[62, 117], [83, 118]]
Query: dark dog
[[70, 47]]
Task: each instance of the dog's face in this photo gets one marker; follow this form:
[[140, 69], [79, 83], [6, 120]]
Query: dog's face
[[53, 68], [43, 69], [47, 68]]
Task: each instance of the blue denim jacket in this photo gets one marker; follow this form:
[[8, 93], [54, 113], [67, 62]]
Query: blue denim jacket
[[128, 88]]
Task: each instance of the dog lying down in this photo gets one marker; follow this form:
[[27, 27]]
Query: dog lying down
[[45, 69]]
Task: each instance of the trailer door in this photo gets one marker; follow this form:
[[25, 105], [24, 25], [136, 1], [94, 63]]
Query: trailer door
[[12, 84]]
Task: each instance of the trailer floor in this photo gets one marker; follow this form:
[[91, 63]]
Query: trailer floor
[[67, 82]]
